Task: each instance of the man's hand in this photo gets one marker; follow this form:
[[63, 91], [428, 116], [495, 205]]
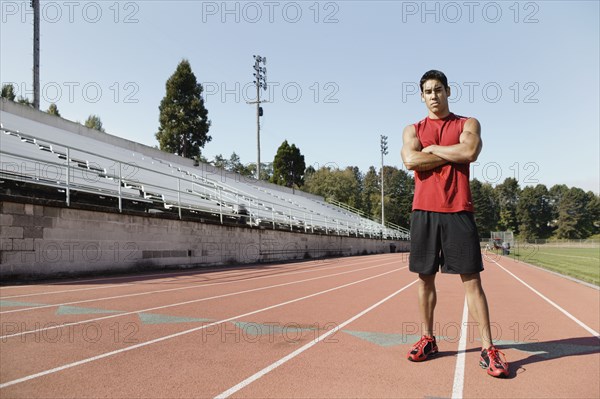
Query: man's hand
[[430, 149]]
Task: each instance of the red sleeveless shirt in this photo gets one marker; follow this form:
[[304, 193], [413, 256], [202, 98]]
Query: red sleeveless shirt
[[445, 188]]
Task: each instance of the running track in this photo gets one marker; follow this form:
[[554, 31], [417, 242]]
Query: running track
[[336, 328]]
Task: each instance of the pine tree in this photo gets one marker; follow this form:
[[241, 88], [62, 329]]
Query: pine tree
[[94, 122], [53, 110], [8, 91], [183, 117], [288, 166]]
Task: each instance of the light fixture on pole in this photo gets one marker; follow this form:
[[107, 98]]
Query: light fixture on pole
[[260, 76], [384, 151]]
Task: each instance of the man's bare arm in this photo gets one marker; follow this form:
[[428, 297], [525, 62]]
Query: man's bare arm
[[468, 148], [413, 157]]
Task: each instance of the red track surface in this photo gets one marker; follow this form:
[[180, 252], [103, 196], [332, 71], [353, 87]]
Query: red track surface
[[335, 328]]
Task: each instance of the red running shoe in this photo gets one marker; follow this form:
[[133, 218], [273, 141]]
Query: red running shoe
[[490, 360], [423, 349]]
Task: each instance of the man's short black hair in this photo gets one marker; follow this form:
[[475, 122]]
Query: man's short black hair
[[436, 75]]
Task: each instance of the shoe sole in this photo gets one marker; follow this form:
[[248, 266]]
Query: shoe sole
[[430, 355]]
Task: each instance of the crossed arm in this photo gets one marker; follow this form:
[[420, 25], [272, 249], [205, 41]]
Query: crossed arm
[[420, 159]]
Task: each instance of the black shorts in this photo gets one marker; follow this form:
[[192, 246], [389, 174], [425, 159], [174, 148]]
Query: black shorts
[[449, 240]]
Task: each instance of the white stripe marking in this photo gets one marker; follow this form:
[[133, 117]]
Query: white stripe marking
[[62, 292], [459, 370], [107, 354], [137, 276], [569, 315], [298, 351]]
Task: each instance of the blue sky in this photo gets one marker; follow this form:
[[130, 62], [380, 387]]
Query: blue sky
[[341, 73]]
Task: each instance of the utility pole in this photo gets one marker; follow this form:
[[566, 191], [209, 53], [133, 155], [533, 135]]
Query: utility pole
[[384, 151], [260, 75], [35, 4]]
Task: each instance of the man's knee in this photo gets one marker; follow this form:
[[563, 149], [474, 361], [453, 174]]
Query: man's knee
[[427, 280]]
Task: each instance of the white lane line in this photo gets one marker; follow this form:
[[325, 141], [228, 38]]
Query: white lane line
[[168, 277], [55, 326], [124, 277], [569, 315], [64, 291], [298, 351], [201, 285], [154, 341], [459, 370]]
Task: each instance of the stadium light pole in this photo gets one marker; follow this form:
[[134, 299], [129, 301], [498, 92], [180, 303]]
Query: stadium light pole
[[384, 151], [35, 4], [260, 76]]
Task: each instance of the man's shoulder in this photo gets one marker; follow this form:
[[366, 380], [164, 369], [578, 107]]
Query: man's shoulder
[[461, 117], [419, 123]]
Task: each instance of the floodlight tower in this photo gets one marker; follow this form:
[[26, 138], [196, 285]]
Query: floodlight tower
[[260, 76], [35, 4], [384, 151]]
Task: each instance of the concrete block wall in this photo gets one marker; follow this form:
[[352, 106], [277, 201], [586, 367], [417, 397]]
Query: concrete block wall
[[39, 241]]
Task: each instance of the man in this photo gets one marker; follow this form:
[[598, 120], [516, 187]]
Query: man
[[439, 150]]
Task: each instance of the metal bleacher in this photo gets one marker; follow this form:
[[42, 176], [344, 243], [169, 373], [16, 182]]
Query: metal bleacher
[[60, 164]]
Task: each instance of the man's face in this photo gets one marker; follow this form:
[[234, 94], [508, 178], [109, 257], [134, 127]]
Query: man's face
[[435, 96]]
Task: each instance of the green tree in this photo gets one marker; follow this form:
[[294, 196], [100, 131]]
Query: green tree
[[399, 190], [8, 92], [577, 213], [534, 212], [486, 207], [183, 117], [556, 194], [288, 166], [220, 161], [266, 170], [371, 193], [234, 164], [53, 110], [592, 214], [333, 184], [94, 122], [24, 100], [359, 189], [507, 196]]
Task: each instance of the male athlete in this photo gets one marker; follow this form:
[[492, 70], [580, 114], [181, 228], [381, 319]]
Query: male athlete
[[439, 150]]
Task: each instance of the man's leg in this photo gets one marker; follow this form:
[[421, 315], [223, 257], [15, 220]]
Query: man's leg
[[478, 306], [427, 302], [426, 346], [491, 358]]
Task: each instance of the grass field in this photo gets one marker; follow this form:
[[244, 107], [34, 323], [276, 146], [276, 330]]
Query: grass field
[[581, 263]]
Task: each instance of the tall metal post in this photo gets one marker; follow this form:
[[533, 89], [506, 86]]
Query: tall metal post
[[257, 130], [35, 4], [260, 75], [384, 151]]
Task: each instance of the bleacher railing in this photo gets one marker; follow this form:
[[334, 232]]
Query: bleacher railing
[[404, 232], [173, 190]]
